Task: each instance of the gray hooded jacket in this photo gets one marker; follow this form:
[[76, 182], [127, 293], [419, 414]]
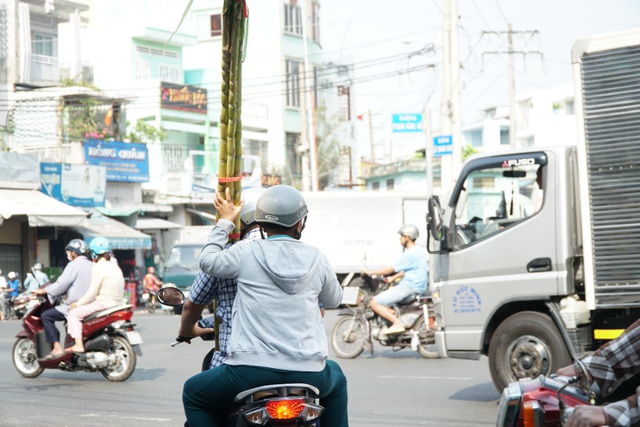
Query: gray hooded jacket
[[275, 322]]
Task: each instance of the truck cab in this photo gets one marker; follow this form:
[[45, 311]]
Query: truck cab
[[506, 251]]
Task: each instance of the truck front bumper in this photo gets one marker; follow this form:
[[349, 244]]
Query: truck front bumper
[[441, 347]]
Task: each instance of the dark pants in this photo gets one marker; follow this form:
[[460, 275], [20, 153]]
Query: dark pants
[[208, 393], [49, 318]]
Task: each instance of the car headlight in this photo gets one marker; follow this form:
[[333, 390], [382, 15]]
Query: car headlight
[[509, 405]]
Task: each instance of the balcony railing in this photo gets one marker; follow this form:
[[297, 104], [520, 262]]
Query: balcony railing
[[44, 68]]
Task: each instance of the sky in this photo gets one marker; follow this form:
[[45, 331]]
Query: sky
[[381, 39]]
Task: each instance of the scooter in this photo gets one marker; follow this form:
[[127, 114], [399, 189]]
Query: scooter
[[149, 300], [111, 344], [20, 304], [545, 401], [360, 325], [290, 405]]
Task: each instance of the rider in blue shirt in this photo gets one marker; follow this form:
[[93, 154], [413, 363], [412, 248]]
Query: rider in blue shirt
[[413, 269]]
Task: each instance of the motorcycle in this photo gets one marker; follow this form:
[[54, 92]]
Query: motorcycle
[[545, 401], [20, 304], [150, 300], [110, 341], [359, 325], [291, 405]]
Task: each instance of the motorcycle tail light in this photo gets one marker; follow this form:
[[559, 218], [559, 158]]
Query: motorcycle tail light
[[285, 409], [532, 414]]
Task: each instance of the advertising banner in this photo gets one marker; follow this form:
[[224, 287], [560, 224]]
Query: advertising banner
[[183, 98], [75, 185], [125, 162]]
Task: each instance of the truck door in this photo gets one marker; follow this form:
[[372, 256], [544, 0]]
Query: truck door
[[502, 243]]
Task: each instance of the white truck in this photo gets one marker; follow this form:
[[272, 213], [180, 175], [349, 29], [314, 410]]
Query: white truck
[[358, 230], [535, 255]]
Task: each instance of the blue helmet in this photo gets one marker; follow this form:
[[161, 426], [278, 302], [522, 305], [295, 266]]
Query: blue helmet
[[99, 246]]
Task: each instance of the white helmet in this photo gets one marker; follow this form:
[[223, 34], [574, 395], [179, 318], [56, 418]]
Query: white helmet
[[11, 275], [37, 266], [249, 200]]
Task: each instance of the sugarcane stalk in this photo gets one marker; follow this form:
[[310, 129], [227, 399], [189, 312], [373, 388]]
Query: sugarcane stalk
[[230, 164]]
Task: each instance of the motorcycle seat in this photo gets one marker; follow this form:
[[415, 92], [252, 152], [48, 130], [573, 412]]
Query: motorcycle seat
[[107, 311]]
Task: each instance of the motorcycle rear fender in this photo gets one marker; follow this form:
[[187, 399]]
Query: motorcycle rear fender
[[22, 334], [121, 332]]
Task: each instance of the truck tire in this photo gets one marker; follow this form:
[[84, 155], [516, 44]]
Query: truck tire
[[526, 344]]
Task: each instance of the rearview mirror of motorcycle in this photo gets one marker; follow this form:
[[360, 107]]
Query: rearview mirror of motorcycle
[[173, 297]]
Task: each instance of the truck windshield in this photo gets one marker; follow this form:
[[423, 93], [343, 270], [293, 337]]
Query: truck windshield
[[496, 198], [184, 256]]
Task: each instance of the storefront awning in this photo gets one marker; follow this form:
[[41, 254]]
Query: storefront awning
[[120, 235], [42, 210], [155, 224]]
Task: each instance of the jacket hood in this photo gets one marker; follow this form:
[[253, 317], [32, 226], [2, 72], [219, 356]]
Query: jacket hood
[[288, 262]]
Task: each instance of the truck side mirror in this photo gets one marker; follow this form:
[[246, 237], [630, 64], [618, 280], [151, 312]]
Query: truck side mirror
[[434, 219]]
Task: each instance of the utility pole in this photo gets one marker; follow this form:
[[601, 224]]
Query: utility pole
[[513, 125], [373, 153], [311, 131], [450, 117]]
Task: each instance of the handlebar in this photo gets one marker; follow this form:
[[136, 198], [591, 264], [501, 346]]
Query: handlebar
[[203, 323]]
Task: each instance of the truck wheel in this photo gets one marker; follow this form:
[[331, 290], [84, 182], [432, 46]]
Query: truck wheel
[[348, 337], [526, 344]]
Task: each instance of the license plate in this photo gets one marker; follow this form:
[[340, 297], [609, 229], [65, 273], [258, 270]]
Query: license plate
[[134, 337]]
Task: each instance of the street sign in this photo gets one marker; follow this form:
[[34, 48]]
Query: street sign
[[407, 122], [442, 145]]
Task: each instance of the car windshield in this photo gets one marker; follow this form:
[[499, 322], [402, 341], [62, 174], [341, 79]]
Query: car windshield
[[184, 256]]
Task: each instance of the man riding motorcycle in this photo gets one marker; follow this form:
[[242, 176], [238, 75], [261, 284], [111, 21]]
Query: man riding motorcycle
[[280, 282], [74, 281]]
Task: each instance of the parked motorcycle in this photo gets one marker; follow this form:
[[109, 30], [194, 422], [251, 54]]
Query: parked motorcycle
[[359, 325], [545, 401], [110, 341], [290, 405]]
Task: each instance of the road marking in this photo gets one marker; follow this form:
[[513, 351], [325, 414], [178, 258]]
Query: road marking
[[411, 377], [124, 417]]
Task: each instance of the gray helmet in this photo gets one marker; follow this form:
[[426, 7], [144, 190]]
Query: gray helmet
[[78, 246], [409, 230], [250, 199], [282, 205]]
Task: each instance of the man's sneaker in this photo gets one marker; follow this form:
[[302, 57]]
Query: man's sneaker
[[394, 330]]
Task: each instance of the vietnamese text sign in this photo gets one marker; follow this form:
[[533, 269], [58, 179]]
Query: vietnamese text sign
[[442, 145], [125, 162], [183, 97], [406, 122], [75, 185]]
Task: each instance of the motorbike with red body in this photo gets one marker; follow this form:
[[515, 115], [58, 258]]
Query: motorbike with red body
[[110, 341], [545, 401], [286, 405]]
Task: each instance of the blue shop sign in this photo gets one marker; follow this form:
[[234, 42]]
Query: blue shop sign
[[407, 122], [75, 185], [125, 162]]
